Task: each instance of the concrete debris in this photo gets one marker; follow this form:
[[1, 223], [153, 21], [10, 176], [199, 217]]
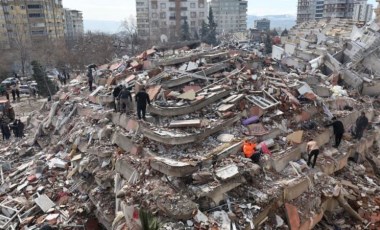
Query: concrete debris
[[186, 162]]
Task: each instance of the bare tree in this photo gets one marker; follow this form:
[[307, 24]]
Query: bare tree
[[128, 38], [20, 40]]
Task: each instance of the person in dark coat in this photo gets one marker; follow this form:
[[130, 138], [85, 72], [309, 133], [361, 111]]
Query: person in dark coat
[[115, 94], [124, 97], [142, 98], [5, 130], [338, 130], [90, 76], [361, 125]]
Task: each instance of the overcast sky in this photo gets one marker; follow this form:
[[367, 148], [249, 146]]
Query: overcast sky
[[117, 10]]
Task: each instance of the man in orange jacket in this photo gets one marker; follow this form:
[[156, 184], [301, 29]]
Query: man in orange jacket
[[248, 149]]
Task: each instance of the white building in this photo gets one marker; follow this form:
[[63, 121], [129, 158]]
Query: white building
[[230, 15], [363, 12], [164, 18], [73, 24], [317, 9]]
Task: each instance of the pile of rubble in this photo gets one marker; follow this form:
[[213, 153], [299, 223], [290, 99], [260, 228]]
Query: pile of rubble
[[82, 163]]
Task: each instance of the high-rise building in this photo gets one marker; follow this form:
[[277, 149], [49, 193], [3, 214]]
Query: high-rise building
[[73, 24], [318, 9], [230, 15], [363, 12], [164, 18], [30, 21], [262, 24]]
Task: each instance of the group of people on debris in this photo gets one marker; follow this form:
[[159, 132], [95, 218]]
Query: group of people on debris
[[251, 151], [123, 100], [122, 96], [63, 77], [17, 127], [357, 131], [11, 89]]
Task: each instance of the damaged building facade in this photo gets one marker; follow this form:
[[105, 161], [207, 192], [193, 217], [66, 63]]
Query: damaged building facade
[[184, 164]]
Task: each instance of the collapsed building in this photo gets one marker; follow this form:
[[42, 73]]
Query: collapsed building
[[184, 164]]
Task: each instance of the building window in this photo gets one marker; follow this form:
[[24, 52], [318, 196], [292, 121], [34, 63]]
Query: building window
[[36, 15], [22, 7], [34, 6], [192, 5], [139, 3], [193, 14], [201, 14], [37, 32], [192, 23], [163, 5], [162, 15], [154, 15], [154, 5], [155, 23]]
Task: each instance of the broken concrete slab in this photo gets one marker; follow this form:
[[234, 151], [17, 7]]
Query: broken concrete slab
[[185, 123], [227, 172]]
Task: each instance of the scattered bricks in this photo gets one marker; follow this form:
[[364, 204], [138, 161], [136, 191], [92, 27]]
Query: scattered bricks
[[293, 217], [32, 178], [256, 111], [304, 116], [375, 217], [136, 150]]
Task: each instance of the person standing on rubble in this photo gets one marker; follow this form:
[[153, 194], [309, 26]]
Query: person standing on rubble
[[313, 151], [124, 97], [142, 98], [361, 125], [13, 91], [90, 75], [338, 131], [17, 90], [116, 93], [4, 128]]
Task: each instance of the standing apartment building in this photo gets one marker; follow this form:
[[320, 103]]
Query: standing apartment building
[[362, 12], [30, 21], [318, 9], [156, 18], [262, 24], [73, 24], [230, 15]]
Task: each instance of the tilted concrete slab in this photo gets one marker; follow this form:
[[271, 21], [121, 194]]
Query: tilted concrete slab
[[179, 140], [126, 170], [172, 167], [187, 79], [177, 111], [216, 193]]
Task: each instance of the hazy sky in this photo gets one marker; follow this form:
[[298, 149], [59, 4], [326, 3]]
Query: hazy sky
[[117, 10]]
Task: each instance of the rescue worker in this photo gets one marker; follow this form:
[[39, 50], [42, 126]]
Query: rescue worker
[[116, 93], [338, 131], [124, 96], [249, 150], [361, 125], [313, 151], [142, 98]]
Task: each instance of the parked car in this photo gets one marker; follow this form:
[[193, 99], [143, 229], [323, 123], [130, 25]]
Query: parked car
[[24, 89], [10, 81]]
